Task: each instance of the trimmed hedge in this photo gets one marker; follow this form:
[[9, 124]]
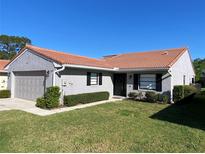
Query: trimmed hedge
[[189, 90], [50, 98], [5, 93], [181, 92], [71, 100]]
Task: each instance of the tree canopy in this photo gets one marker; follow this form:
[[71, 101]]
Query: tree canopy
[[10, 45], [199, 65]]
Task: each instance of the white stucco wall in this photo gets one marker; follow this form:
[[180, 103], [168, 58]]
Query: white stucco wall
[[182, 67], [76, 81]]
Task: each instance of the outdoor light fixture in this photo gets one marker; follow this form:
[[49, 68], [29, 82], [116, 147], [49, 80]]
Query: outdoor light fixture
[[47, 74]]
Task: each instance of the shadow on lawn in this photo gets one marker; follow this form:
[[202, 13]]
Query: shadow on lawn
[[189, 112]]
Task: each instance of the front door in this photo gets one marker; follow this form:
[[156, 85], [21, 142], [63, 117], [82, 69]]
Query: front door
[[120, 81]]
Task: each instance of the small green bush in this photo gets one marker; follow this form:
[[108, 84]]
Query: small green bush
[[165, 99], [71, 100], [151, 96], [178, 93], [50, 99], [5, 93], [52, 96], [41, 102]]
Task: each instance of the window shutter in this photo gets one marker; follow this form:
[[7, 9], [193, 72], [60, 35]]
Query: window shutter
[[88, 78], [159, 82], [100, 78], [136, 81]]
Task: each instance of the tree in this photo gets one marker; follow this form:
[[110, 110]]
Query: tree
[[199, 65], [10, 45]]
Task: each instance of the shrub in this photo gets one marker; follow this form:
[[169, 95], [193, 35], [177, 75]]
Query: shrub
[[165, 99], [182, 92], [136, 95], [132, 95], [189, 90], [52, 96], [178, 93], [202, 93], [71, 100], [41, 102], [5, 93], [50, 99], [151, 96]]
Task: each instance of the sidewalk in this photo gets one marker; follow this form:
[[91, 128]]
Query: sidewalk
[[29, 106]]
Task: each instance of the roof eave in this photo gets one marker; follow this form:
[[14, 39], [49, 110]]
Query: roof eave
[[89, 67], [143, 69]]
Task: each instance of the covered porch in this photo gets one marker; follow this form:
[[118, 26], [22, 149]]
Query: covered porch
[[141, 80]]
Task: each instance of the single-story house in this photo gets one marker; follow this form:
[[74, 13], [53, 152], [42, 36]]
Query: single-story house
[[34, 69], [3, 74]]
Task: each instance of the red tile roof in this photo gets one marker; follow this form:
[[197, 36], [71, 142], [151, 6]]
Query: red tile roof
[[3, 63], [66, 58], [136, 60], [151, 59]]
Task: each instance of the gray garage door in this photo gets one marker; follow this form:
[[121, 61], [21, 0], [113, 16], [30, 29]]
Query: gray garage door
[[30, 84]]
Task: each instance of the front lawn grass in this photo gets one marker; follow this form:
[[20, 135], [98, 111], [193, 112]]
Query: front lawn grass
[[125, 126]]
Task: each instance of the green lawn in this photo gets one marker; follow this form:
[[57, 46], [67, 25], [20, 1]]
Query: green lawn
[[202, 89], [125, 126]]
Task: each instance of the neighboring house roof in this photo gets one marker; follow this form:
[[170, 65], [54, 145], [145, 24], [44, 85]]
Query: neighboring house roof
[[136, 60], [3, 63]]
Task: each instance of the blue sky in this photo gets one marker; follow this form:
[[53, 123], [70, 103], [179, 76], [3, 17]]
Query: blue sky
[[101, 27]]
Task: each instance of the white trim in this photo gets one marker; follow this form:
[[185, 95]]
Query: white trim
[[3, 71], [56, 65], [90, 67], [115, 69]]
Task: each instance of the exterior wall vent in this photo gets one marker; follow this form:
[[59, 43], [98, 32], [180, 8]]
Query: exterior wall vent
[[165, 53]]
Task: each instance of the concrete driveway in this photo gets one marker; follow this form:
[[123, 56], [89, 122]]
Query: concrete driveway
[[29, 106], [20, 104]]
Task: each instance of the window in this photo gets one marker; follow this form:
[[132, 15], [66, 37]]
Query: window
[[147, 81], [94, 78], [184, 79]]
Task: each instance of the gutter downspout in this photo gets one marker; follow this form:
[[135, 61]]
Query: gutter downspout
[[171, 99], [54, 80], [56, 71]]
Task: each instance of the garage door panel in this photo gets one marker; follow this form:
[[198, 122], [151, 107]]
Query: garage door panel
[[29, 85]]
